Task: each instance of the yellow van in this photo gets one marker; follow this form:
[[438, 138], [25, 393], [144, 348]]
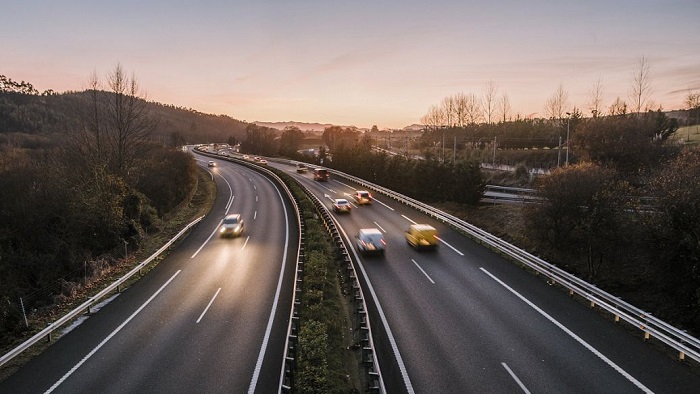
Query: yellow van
[[422, 236]]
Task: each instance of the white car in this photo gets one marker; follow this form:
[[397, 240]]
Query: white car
[[370, 241], [232, 225], [211, 163], [341, 205]]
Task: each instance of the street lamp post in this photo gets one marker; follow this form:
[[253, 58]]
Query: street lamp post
[[568, 118]]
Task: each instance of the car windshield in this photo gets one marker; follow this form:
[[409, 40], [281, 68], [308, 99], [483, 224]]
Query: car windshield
[[233, 220], [341, 202], [363, 194], [372, 238]]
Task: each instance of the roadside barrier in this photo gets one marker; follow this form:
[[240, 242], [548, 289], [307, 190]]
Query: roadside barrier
[[85, 306]]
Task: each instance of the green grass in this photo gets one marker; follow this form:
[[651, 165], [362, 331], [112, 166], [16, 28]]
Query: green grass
[[688, 134]]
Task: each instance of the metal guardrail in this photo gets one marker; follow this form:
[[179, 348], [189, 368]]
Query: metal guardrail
[[679, 340], [85, 306], [375, 383]]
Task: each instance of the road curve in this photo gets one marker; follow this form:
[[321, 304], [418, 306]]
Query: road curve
[[466, 320], [211, 317]]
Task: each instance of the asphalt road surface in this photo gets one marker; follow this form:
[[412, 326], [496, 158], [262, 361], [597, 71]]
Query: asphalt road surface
[[462, 319], [211, 317]]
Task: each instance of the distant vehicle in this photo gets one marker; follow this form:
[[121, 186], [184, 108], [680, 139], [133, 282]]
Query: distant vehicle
[[362, 197], [262, 161], [232, 225], [211, 163], [321, 175], [370, 241], [256, 159], [246, 157], [422, 236], [341, 205], [302, 168]]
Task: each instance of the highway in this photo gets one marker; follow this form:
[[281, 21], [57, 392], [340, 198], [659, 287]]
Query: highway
[[463, 319], [211, 317]]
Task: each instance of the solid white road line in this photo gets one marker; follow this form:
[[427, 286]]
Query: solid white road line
[[512, 375], [208, 305], [380, 227], [270, 320], [571, 334], [375, 200], [208, 238], [423, 271], [451, 247], [104, 341]]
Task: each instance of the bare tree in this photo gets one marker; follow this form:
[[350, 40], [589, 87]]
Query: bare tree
[[473, 111], [490, 101], [618, 107], [460, 108], [595, 102], [114, 124], [557, 104], [448, 107], [641, 84], [434, 118], [127, 119], [504, 107]]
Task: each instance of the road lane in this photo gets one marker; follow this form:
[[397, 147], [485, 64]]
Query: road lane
[[460, 333], [170, 345]]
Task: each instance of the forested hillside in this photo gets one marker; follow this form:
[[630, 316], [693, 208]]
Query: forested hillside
[[86, 177], [23, 110]]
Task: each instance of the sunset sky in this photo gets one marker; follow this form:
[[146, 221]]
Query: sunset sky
[[360, 62]]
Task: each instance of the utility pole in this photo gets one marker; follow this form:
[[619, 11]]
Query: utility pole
[[568, 119]]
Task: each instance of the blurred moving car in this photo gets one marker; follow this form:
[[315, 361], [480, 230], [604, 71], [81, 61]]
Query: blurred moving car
[[321, 174], [422, 236], [232, 225], [341, 205], [302, 168], [262, 161], [370, 241], [362, 197], [211, 163]]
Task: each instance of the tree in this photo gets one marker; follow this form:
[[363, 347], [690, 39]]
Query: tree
[[581, 211], [692, 102], [434, 119], [640, 89], [618, 107], [128, 122], [291, 140], [674, 232], [595, 103], [490, 101], [260, 140], [629, 143], [116, 125], [472, 109], [504, 107], [557, 104]]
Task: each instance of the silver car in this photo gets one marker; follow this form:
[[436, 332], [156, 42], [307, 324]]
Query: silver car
[[232, 225], [371, 241]]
